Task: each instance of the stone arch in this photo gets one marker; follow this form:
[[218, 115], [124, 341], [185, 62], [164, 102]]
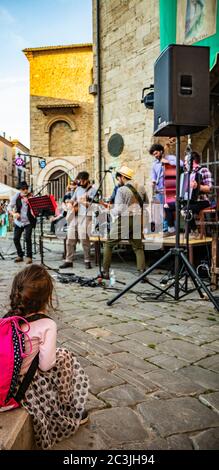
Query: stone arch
[[55, 119], [55, 165]]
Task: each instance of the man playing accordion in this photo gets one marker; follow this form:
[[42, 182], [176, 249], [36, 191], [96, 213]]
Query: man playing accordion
[[200, 185]]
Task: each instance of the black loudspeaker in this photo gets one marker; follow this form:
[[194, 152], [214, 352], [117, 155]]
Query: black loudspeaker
[[181, 90]]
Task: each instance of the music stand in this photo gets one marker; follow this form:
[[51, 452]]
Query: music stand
[[177, 253], [41, 206]]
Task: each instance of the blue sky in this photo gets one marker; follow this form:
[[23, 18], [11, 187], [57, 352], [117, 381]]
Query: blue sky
[[25, 23]]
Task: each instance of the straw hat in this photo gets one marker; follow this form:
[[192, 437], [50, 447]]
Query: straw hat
[[125, 171]]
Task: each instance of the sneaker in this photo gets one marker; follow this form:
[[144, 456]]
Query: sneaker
[[19, 259], [84, 418], [28, 260], [144, 280], [65, 265], [87, 265], [195, 234]]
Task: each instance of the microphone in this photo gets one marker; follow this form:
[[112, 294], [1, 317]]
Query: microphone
[[110, 169]]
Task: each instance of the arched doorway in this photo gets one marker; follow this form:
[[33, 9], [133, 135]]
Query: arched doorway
[[57, 184]]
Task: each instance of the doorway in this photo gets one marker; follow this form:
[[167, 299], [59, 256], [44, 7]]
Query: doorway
[[57, 184]]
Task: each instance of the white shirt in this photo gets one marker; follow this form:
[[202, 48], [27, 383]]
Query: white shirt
[[78, 194]]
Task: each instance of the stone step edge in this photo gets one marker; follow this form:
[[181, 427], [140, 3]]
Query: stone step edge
[[16, 430]]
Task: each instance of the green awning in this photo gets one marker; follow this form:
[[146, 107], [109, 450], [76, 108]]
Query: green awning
[[190, 22]]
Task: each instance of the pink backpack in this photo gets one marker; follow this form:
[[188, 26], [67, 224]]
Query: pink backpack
[[12, 352]]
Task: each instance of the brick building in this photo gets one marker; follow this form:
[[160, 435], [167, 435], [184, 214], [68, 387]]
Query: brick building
[[61, 112], [10, 174], [6, 158]]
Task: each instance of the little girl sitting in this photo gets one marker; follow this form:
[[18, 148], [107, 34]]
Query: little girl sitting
[[58, 392]]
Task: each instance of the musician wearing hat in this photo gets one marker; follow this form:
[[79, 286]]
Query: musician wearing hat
[[24, 221], [127, 220]]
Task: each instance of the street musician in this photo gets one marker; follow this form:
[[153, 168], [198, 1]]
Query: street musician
[[79, 220], [24, 221], [127, 223], [200, 185], [157, 174]]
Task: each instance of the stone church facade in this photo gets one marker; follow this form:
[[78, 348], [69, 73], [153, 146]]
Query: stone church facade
[[61, 113]]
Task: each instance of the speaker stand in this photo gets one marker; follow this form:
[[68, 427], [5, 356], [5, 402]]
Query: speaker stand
[[177, 253]]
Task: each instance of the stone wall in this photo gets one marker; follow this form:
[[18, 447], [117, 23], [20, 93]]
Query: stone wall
[[61, 108], [6, 153], [129, 47], [130, 44]]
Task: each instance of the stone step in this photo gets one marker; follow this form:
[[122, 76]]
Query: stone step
[[16, 430]]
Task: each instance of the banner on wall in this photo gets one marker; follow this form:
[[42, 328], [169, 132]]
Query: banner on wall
[[190, 22]]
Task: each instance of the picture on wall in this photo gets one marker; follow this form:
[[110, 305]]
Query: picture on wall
[[196, 20]]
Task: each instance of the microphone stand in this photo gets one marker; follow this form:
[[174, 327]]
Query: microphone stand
[[188, 215], [99, 191], [43, 187]]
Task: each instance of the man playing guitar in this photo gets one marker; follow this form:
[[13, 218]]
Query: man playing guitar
[[79, 220]]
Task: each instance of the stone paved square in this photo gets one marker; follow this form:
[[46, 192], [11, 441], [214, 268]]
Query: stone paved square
[[153, 379]]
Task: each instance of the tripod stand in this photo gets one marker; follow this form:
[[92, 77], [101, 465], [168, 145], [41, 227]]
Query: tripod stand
[[177, 253]]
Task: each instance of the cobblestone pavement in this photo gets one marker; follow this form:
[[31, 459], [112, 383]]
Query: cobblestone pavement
[[153, 366]]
